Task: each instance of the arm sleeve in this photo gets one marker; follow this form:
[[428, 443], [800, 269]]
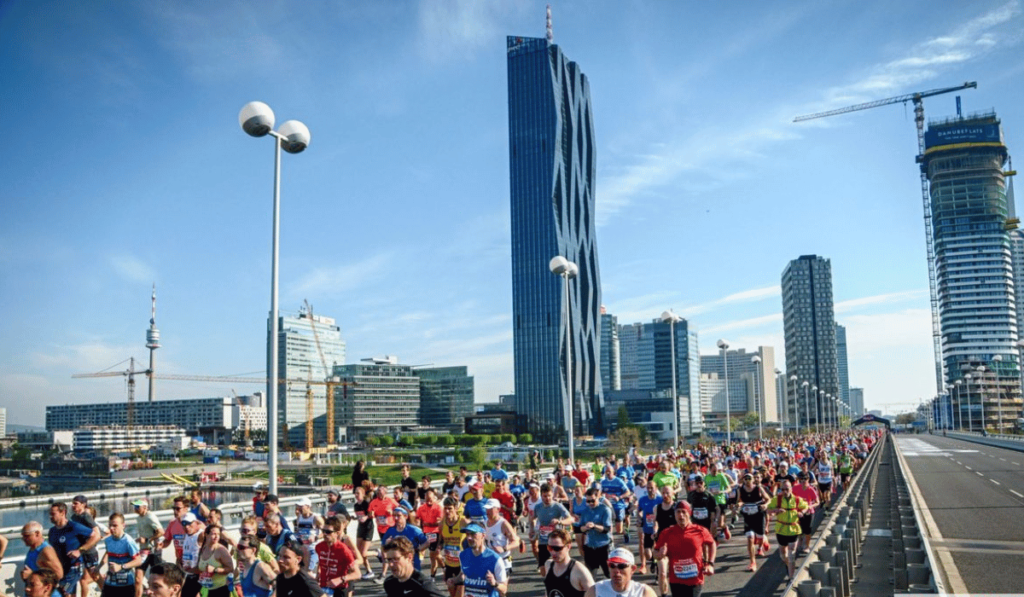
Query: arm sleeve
[[500, 574]]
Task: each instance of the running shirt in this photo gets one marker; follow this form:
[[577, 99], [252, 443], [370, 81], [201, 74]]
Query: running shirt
[[496, 537], [616, 487], [306, 529], [335, 561], [605, 589], [249, 586], [704, 508], [31, 559], [560, 585], [430, 520], [717, 483], [120, 551], [475, 569], [415, 536], [824, 473], [685, 552], [190, 552], [68, 538], [750, 501], [648, 507], [451, 543], [381, 510], [546, 517], [474, 510]]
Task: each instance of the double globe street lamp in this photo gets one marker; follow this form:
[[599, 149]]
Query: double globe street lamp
[[724, 346], [257, 119], [560, 266]]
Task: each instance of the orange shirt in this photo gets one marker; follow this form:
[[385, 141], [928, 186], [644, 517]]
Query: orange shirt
[[430, 517], [381, 511]]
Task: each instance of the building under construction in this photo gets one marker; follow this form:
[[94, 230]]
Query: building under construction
[[972, 216]]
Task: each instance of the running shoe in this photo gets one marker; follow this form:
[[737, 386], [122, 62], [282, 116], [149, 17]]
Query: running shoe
[[369, 575]]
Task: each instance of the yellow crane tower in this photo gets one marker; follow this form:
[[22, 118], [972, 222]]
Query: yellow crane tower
[[917, 99], [331, 381]]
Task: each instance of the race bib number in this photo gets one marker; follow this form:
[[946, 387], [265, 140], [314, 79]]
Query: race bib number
[[715, 487], [700, 513], [751, 508], [121, 578], [545, 531], [382, 521], [189, 560], [649, 520], [685, 569], [431, 537], [206, 580], [451, 555]]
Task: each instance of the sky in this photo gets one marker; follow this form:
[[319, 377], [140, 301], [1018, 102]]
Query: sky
[[125, 166]]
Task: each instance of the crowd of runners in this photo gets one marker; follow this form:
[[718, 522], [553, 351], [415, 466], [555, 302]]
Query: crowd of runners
[[639, 525]]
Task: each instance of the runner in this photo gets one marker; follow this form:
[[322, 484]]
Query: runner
[[474, 508], [804, 489], [406, 580], [823, 470], [719, 485], [753, 499], [596, 523], [307, 527], [190, 546], [292, 581], [621, 584], [41, 583], [277, 536], [664, 518], [451, 543], [364, 528], [483, 573], [90, 557], [165, 580], [69, 540], [563, 576], [253, 577], [335, 505], [41, 555], [647, 509], [548, 515], [122, 555], [788, 509], [408, 486], [429, 515], [215, 563], [197, 507], [690, 550], [402, 528], [336, 562], [263, 553], [618, 494], [704, 507], [501, 536]]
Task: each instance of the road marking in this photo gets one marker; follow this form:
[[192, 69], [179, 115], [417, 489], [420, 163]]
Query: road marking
[[979, 474], [1003, 459], [996, 482], [1016, 463], [1016, 494], [969, 468]]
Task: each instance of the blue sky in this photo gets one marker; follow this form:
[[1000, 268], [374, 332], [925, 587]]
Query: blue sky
[[124, 165]]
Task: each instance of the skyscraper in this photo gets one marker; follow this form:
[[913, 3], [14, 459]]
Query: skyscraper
[[810, 330], [610, 370], [758, 392], [843, 364], [551, 167], [856, 402], [964, 159], [446, 396], [299, 360]]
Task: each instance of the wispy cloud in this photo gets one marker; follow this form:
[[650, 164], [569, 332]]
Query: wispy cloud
[[453, 28], [330, 282], [741, 324], [880, 299], [132, 269]]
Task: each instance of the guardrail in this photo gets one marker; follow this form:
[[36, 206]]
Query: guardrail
[[1006, 436], [830, 564], [915, 568]]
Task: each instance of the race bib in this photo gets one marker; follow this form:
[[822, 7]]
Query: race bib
[[750, 508], [431, 537], [649, 520], [382, 521], [545, 531], [685, 569], [715, 487], [121, 578], [451, 555], [700, 513], [206, 580]]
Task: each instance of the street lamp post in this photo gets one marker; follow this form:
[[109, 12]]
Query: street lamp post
[[257, 119], [981, 392], [997, 365], [806, 405], [821, 397], [959, 407], [970, 406], [724, 346], [756, 359], [672, 319], [560, 266], [785, 402]]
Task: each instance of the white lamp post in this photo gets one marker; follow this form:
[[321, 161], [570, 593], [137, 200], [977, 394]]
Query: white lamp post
[[996, 365], [560, 266], [756, 359], [970, 406], [671, 318], [959, 407], [821, 398], [981, 392], [257, 119], [724, 346], [784, 415], [805, 384]]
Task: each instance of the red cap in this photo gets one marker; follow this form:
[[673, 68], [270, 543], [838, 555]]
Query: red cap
[[685, 505]]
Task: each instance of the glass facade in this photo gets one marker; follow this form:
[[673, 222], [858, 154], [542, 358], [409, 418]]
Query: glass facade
[[964, 159], [551, 168], [610, 371], [446, 396], [810, 330], [298, 361], [843, 364], [383, 398]]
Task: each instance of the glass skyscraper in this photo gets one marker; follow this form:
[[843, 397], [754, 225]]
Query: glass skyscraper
[[552, 171]]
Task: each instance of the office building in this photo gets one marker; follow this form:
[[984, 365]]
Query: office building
[[758, 379], [383, 398], [610, 369], [964, 159], [117, 439], [1017, 258], [856, 402], [446, 396], [299, 361], [713, 399], [3, 421], [842, 364], [214, 419], [810, 331], [645, 350], [551, 168]]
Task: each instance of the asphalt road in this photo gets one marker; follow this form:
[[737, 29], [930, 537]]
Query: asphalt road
[[975, 495]]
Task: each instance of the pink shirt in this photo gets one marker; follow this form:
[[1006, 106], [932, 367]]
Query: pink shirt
[[809, 494]]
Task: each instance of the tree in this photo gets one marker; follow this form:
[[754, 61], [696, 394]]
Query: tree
[[373, 441], [750, 420], [624, 437], [525, 438], [623, 418], [905, 418], [477, 455], [387, 440]]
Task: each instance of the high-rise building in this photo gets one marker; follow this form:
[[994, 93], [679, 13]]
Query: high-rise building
[[551, 168], [856, 402], [298, 361], [1017, 257], [842, 364], [383, 398], [647, 348], [757, 378], [964, 159], [810, 329], [3, 421], [446, 396], [610, 371]]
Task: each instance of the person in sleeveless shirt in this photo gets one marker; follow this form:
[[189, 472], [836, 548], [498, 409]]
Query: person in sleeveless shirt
[[40, 555], [501, 536], [564, 576], [621, 584], [253, 577]]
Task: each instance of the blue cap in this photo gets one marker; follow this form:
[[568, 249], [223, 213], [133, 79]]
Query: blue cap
[[473, 528], [400, 510]]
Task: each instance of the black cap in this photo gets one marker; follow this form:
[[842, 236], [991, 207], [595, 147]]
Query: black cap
[[81, 499], [271, 498]]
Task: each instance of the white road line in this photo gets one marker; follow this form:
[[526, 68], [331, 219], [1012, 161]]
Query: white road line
[[1016, 463], [1016, 494], [996, 482], [979, 474], [1003, 459], [991, 456], [968, 468]]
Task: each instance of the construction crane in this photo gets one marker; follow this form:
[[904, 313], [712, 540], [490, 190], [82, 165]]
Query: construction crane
[[918, 101], [330, 382]]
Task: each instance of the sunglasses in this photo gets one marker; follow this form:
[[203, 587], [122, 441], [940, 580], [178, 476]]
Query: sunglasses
[[555, 547], [241, 547], [619, 566], [591, 502]]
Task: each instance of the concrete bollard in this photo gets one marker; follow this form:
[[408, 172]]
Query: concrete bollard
[[919, 574], [846, 548], [912, 542], [900, 582], [837, 579], [809, 588], [832, 540], [915, 556], [826, 554], [819, 571], [899, 560], [828, 592]]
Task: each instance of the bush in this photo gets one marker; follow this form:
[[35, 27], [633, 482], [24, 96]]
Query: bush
[[373, 441], [525, 438], [387, 440]]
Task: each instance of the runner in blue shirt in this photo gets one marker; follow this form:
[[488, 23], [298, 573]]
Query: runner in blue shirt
[[647, 508], [498, 473], [483, 572], [69, 539], [618, 494], [402, 528], [121, 557]]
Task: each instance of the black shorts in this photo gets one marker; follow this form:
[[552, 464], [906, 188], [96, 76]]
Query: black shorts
[[90, 559], [112, 591], [434, 545], [754, 523], [191, 587], [364, 531], [152, 559], [595, 558], [805, 524], [543, 555], [731, 500], [680, 590], [648, 541], [824, 488], [451, 571], [785, 540]]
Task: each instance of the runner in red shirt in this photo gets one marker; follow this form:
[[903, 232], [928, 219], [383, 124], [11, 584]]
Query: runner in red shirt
[[690, 550], [381, 508], [505, 498], [429, 515], [335, 565]]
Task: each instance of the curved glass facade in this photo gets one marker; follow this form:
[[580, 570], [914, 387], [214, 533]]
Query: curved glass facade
[[551, 168]]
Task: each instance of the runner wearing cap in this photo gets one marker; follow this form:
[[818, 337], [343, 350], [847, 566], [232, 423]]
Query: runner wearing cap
[[474, 508], [618, 494], [501, 536], [402, 528], [307, 527], [90, 557], [563, 577], [429, 516], [788, 509], [190, 547], [547, 515], [149, 531], [690, 550], [621, 583], [705, 508], [335, 505], [483, 573]]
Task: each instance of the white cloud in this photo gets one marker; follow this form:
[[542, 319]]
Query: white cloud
[[880, 299], [741, 324], [329, 282], [132, 269], [452, 28]]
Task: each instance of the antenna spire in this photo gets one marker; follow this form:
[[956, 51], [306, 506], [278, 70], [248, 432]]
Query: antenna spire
[[551, 33], [152, 316]]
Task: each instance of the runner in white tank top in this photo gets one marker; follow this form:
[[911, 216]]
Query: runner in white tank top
[[633, 589]]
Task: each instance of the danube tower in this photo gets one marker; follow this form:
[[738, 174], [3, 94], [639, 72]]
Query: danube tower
[[551, 167]]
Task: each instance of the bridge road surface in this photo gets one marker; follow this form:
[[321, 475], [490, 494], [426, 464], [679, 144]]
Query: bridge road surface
[[975, 495], [731, 576]]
